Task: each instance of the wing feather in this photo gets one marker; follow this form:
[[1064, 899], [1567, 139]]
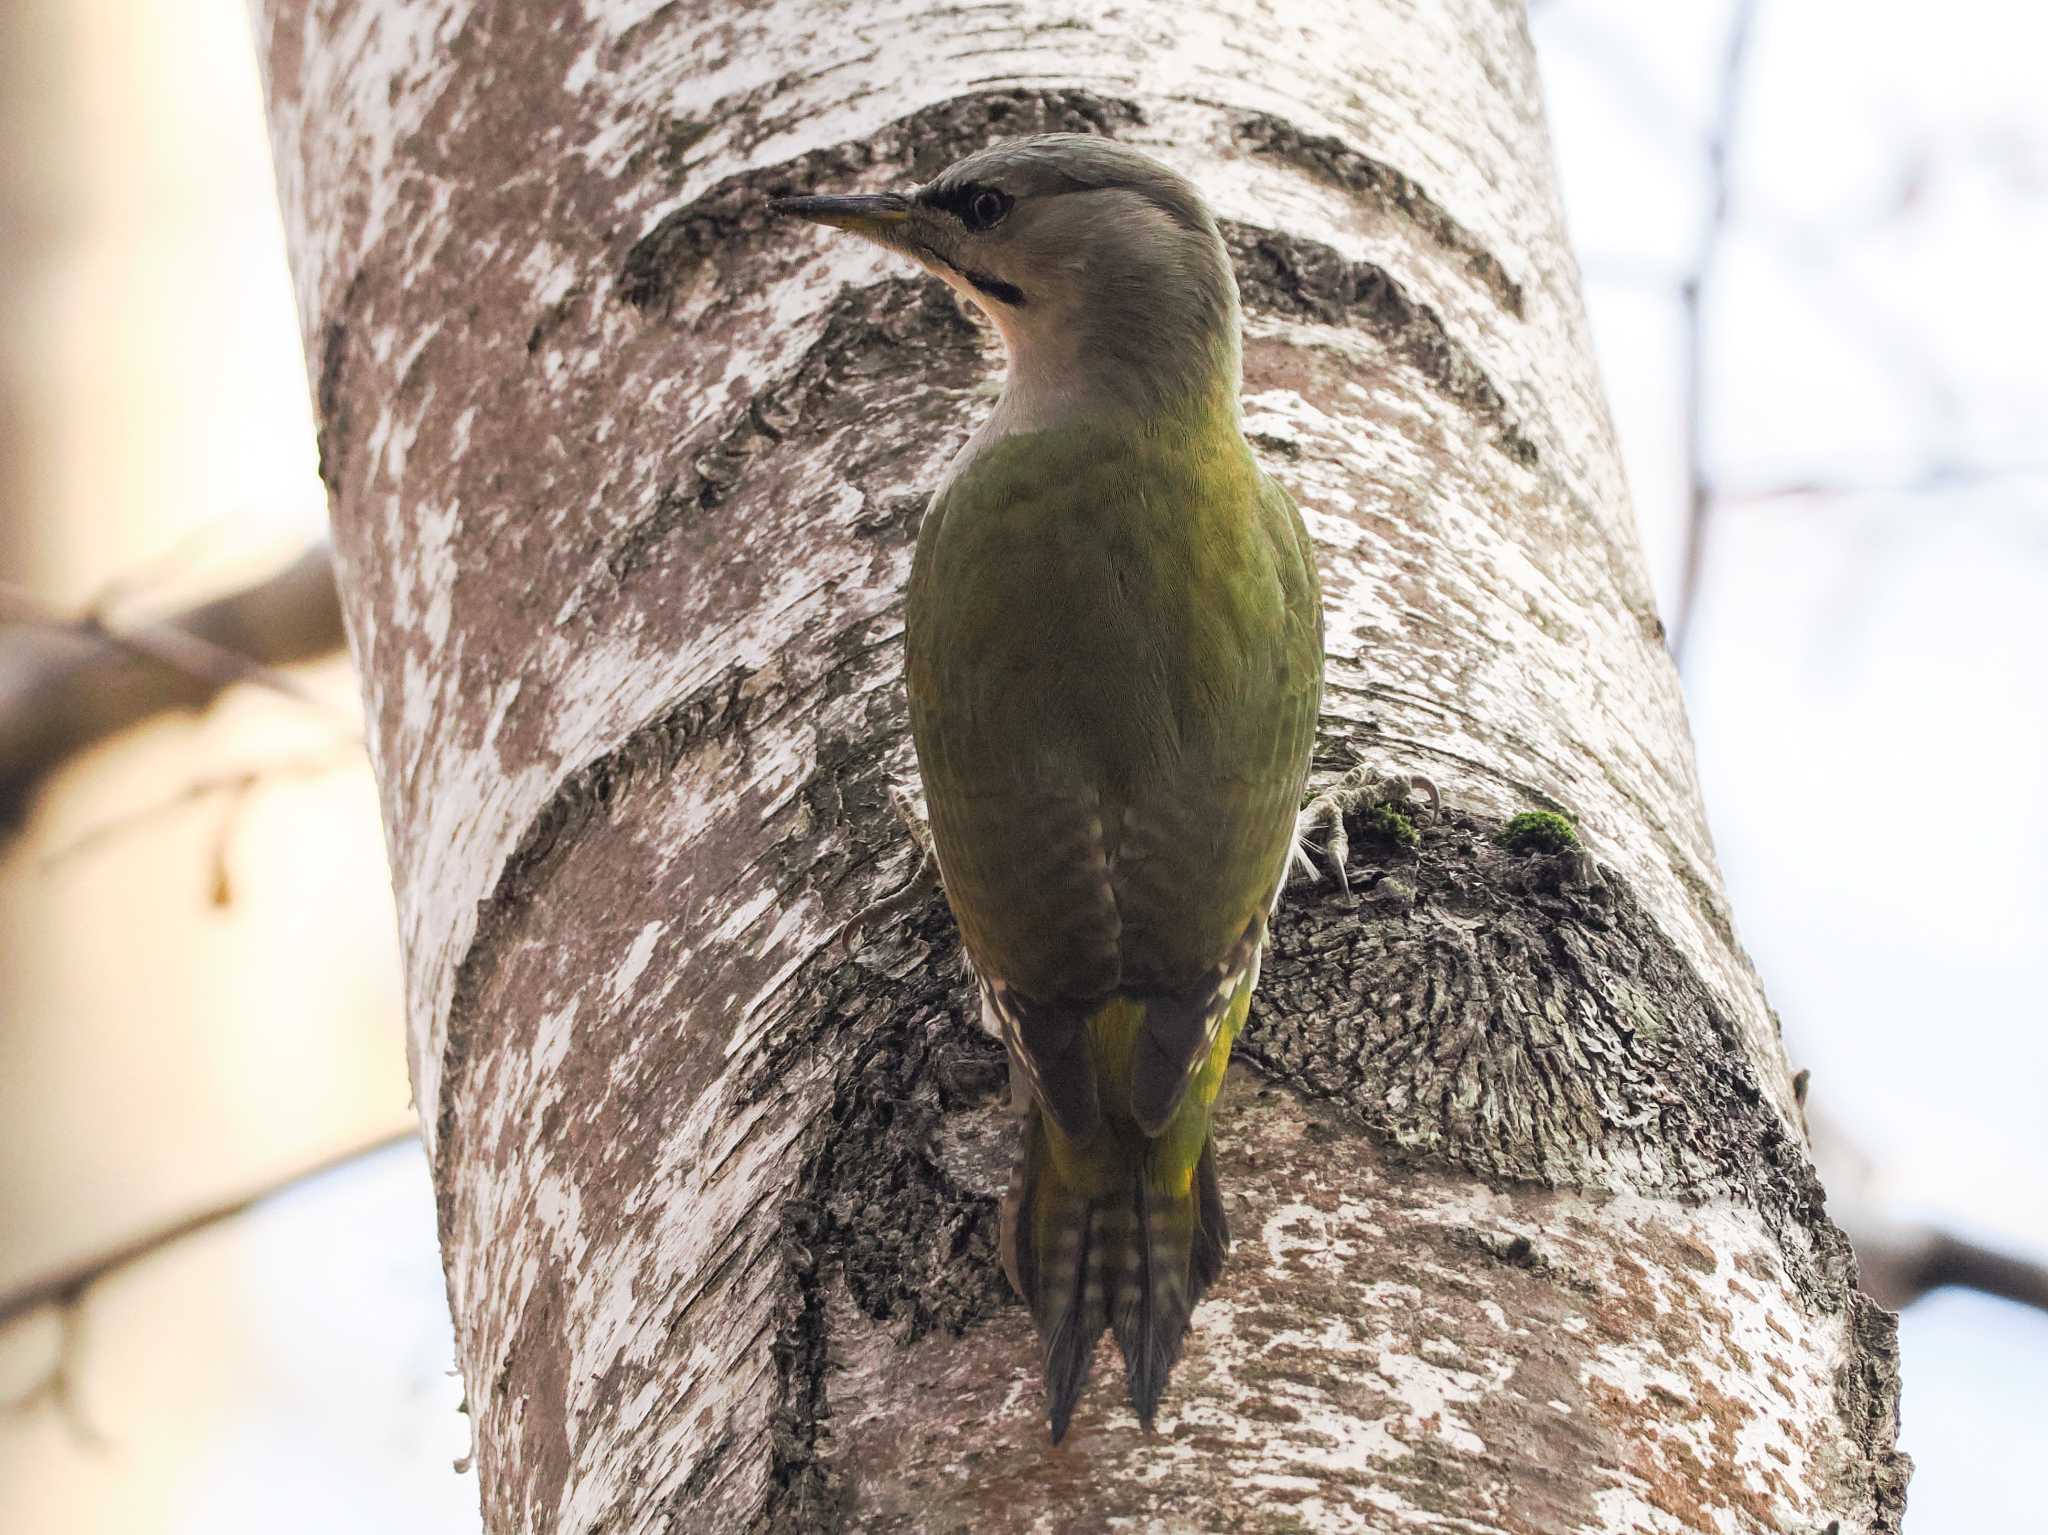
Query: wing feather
[[1115, 670]]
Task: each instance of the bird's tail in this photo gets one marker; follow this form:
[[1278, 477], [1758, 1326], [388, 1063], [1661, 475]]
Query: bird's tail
[[1133, 1257]]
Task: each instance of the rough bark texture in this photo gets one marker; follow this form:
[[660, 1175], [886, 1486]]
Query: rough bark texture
[[624, 482]]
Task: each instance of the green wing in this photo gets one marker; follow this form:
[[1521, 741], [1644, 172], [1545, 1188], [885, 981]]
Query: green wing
[[1115, 664]]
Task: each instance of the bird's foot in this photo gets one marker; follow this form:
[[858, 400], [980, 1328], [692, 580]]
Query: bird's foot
[[924, 878], [1365, 790]]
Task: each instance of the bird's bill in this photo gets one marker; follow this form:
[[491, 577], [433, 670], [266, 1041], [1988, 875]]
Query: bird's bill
[[876, 216]]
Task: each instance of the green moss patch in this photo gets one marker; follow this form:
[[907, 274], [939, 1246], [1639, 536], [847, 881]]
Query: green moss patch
[[1539, 831], [1384, 823]]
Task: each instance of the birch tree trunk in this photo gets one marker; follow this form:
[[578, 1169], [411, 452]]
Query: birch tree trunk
[[624, 483]]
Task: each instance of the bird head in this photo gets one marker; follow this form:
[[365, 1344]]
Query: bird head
[[1097, 263]]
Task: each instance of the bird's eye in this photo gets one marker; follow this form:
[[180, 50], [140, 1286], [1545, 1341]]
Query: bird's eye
[[985, 210]]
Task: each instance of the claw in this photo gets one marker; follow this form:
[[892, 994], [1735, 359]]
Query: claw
[[1324, 813], [1361, 787], [924, 879], [1421, 785], [906, 812]]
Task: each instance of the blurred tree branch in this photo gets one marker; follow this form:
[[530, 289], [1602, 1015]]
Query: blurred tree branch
[[69, 681], [65, 1287], [1901, 1260], [1936, 479], [1695, 286], [1693, 291], [234, 787], [57, 1387], [1901, 1264]]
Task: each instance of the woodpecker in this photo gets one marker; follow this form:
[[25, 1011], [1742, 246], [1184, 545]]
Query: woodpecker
[[1115, 662]]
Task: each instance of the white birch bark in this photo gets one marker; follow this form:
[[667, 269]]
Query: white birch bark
[[624, 480]]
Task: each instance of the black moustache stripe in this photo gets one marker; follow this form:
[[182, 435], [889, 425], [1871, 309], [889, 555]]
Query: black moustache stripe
[[994, 287]]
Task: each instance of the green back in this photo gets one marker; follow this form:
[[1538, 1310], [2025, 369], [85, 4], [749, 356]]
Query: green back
[[1115, 664]]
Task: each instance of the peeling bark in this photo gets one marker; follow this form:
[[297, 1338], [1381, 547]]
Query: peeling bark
[[624, 485]]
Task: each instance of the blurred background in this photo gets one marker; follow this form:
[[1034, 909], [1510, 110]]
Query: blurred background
[[1814, 235]]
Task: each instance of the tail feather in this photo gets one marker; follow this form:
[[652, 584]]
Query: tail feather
[[1070, 1331], [1212, 1228], [1133, 1260], [1152, 1309]]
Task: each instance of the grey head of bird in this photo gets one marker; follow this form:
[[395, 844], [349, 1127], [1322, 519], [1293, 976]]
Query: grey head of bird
[[1102, 269]]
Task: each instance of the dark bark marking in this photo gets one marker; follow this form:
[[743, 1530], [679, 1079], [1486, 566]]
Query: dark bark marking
[[702, 1472], [895, 518], [535, 1370], [876, 1208], [629, 44], [651, 751], [1301, 279], [911, 1246], [860, 325], [553, 317], [1525, 1020], [1332, 160], [332, 399], [1867, 1398]]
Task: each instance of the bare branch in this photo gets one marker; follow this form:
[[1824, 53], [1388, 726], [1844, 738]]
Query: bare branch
[[1693, 293], [66, 1286], [1902, 1265], [235, 785], [58, 1385], [68, 681], [197, 657], [1936, 479]]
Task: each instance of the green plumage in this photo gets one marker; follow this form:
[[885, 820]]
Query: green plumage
[[1115, 664], [1115, 648], [1113, 626]]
